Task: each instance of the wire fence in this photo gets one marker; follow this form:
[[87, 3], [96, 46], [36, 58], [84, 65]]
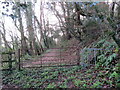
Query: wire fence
[[70, 56], [90, 55]]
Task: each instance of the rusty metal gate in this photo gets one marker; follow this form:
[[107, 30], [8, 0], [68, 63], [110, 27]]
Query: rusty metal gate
[[55, 57]]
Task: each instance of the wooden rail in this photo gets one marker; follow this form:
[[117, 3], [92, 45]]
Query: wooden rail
[[10, 60]]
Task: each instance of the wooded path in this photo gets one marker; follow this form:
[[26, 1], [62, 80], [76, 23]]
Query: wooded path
[[52, 57]]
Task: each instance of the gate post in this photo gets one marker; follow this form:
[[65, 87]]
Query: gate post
[[10, 60], [41, 61], [78, 55], [95, 56], [19, 67]]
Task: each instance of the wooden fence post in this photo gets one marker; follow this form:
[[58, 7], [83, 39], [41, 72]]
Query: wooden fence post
[[19, 67], [10, 61], [41, 61], [78, 55]]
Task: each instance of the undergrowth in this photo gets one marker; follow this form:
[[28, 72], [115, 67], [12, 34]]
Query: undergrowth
[[105, 73], [63, 77]]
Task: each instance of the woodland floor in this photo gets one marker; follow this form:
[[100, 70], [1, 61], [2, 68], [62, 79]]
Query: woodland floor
[[58, 77]]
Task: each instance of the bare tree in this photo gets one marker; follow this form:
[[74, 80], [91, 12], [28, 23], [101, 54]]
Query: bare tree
[[4, 36], [24, 46], [29, 20]]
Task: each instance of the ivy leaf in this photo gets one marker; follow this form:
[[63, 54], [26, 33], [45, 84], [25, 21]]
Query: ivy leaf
[[114, 74]]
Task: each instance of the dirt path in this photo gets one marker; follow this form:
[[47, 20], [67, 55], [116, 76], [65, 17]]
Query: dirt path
[[52, 57]]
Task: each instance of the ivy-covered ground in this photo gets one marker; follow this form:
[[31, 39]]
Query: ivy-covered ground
[[63, 77], [104, 74]]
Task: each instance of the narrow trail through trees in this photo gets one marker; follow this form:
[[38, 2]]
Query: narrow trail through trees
[[52, 57]]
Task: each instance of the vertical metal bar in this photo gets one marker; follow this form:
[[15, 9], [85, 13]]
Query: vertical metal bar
[[60, 55], [87, 62], [41, 61], [94, 55], [78, 54], [82, 58]]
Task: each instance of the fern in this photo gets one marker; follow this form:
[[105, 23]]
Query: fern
[[110, 58], [114, 75], [100, 43], [106, 56]]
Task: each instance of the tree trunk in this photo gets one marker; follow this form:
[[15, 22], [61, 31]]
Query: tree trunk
[[0, 40], [78, 21], [24, 47], [29, 13], [67, 20], [41, 34], [112, 10], [4, 37]]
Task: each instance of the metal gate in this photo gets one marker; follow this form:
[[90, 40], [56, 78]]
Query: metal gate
[[55, 57]]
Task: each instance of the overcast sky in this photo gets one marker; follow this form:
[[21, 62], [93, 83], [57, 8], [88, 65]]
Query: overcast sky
[[10, 25]]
